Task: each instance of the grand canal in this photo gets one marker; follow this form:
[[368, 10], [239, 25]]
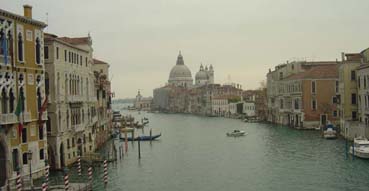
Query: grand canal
[[195, 154]]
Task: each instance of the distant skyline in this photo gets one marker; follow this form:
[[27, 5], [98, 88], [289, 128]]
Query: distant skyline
[[141, 39]]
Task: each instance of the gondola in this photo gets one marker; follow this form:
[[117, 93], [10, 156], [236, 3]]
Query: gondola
[[142, 138]]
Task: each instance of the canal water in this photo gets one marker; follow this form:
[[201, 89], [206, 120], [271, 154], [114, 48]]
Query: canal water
[[194, 153]]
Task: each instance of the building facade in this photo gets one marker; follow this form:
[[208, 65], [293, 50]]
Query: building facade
[[102, 129], [71, 108], [23, 141], [305, 98], [347, 97]]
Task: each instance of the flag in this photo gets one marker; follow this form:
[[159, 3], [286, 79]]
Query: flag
[[19, 108], [5, 48], [18, 111], [42, 110]]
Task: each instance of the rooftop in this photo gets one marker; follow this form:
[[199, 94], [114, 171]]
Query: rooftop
[[317, 72]]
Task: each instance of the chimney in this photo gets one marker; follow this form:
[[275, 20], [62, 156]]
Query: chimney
[[27, 11]]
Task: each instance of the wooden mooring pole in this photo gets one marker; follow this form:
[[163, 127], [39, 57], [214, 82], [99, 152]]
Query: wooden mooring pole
[[139, 147]]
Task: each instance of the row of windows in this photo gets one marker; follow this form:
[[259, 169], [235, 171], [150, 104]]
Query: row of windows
[[84, 141], [20, 47], [15, 157], [25, 137], [70, 57]]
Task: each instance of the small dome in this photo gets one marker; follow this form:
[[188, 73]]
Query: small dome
[[201, 75]]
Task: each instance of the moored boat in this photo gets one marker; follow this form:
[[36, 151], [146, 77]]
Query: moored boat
[[360, 148], [330, 133]]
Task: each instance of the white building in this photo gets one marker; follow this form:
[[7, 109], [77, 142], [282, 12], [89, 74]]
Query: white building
[[249, 108], [72, 99], [142, 103], [220, 106]]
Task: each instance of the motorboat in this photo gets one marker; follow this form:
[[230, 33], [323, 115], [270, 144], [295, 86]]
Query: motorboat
[[360, 148], [236, 133], [330, 133]]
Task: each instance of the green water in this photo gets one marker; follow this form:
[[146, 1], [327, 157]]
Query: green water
[[195, 154]]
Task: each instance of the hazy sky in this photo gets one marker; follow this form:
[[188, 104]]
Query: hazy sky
[[140, 39]]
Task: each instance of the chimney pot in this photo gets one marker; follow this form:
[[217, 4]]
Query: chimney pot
[[27, 11]]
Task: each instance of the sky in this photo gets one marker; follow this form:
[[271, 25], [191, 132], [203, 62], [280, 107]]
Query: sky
[[140, 39]]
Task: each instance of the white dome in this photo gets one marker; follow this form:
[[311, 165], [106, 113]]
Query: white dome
[[201, 75], [180, 74], [180, 71]]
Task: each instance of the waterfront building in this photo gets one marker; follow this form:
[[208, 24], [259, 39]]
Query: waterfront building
[[249, 108], [347, 97], [142, 103], [71, 91], [23, 141], [102, 129], [180, 75], [161, 99], [306, 98], [220, 106]]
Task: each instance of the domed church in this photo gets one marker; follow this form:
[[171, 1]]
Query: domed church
[[180, 75], [204, 76]]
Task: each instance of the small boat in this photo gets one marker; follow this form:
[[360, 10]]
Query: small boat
[[360, 148], [142, 138], [236, 133], [330, 133]]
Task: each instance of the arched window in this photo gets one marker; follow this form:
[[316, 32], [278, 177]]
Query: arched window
[[66, 85], [22, 97], [4, 105], [67, 119], [41, 132], [11, 101], [38, 51], [83, 115], [39, 99], [20, 47], [58, 84], [47, 83], [48, 125]]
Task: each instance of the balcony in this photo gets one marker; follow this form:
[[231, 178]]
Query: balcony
[[79, 128], [2, 60], [27, 117], [8, 118], [75, 98]]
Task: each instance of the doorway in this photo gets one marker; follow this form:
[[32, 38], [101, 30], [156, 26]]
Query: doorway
[[2, 165]]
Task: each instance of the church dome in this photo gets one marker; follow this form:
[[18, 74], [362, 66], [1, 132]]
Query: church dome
[[201, 75], [180, 74], [180, 71]]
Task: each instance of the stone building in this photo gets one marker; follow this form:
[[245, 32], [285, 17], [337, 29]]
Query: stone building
[[347, 96], [142, 103], [306, 98], [23, 141], [103, 127], [71, 108]]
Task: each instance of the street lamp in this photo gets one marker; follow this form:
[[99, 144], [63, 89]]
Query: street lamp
[[29, 157]]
